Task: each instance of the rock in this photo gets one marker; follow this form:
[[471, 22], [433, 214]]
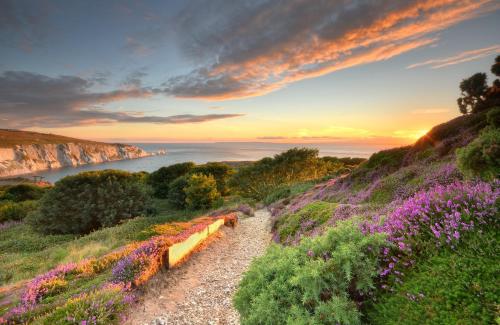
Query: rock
[[24, 159]]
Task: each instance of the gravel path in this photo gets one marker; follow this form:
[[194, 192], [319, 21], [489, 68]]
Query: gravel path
[[200, 291]]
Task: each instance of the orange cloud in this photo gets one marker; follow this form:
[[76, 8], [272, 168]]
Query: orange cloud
[[251, 64]]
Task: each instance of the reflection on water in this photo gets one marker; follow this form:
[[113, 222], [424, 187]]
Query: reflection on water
[[205, 152]]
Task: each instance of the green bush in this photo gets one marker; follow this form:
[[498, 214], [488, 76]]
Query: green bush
[[313, 283], [277, 194], [312, 215], [201, 192], [482, 156], [176, 194], [23, 192], [287, 168], [160, 180], [15, 210], [493, 117], [453, 287], [88, 201], [221, 173]]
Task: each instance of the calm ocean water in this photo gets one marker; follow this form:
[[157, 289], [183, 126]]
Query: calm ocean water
[[205, 152]]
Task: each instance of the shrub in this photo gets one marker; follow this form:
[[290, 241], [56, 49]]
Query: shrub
[[493, 117], [176, 194], [100, 306], [268, 174], [455, 286], [482, 156], [317, 282], [431, 219], [12, 211], [88, 201], [201, 192], [221, 173], [160, 180], [291, 227], [278, 194], [23, 192]]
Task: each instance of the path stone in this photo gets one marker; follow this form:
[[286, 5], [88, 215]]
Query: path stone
[[200, 291]]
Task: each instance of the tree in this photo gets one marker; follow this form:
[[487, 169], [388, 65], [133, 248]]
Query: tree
[[473, 93], [201, 192], [176, 194], [161, 179], [221, 172], [87, 201], [23, 192], [495, 68]]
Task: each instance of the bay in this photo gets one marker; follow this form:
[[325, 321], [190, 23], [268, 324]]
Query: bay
[[205, 152]]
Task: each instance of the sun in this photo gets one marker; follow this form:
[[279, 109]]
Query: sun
[[420, 133]]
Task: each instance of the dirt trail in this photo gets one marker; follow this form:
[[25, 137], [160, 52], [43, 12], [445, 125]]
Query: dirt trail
[[200, 291]]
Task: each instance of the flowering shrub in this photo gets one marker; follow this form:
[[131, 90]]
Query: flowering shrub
[[99, 306], [46, 284], [291, 227], [433, 218], [131, 265]]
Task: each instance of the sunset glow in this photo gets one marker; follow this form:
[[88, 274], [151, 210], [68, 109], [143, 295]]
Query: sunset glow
[[197, 72]]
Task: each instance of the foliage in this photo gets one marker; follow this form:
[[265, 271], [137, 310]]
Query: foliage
[[495, 68], [431, 219], [316, 282], [221, 173], [454, 286], [269, 174], [476, 95], [176, 194], [291, 227], [131, 265], [493, 117], [88, 201], [95, 307], [201, 192], [473, 93], [12, 211], [277, 194], [23, 192], [482, 156], [160, 180]]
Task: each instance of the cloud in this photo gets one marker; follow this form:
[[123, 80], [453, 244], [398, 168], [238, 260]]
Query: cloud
[[28, 100], [136, 47], [272, 138], [252, 48], [23, 25], [134, 79], [458, 58]]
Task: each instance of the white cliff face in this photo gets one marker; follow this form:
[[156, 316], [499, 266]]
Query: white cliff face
[[23, 159]]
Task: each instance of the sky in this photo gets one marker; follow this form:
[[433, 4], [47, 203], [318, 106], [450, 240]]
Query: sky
[[373, 72]]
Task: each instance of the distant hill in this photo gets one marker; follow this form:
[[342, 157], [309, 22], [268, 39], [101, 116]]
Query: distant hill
[[24, 152], [10, 138]]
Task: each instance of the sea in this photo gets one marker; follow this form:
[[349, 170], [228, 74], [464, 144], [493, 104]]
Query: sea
[[207, 152]]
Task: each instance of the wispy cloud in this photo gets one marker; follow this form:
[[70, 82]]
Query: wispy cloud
[[458, 58], [28, 100], [253, 48]]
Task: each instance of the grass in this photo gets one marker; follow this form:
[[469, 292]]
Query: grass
[[24, 253], [289, 191], [453, 287], [310, 216], [10, 138]]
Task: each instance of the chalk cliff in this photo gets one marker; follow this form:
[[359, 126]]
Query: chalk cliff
[[29, 158]]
